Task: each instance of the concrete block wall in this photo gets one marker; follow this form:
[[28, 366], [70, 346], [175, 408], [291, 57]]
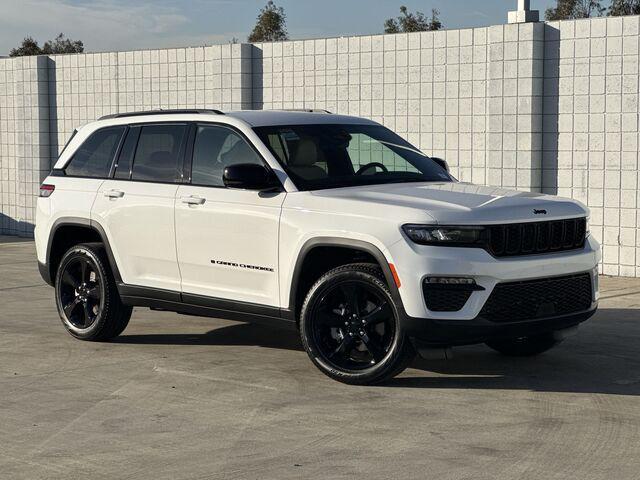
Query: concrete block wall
[[24, 140], [471, 96], [591, 129], [85, 87], [549, 107]]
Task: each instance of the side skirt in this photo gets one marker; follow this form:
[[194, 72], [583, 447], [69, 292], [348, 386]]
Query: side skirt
[[202, 306]]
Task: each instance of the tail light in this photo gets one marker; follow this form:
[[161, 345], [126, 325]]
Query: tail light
[[46, 190]]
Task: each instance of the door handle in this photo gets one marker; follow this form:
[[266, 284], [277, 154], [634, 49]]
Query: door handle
[[192, 200], [114, 193]]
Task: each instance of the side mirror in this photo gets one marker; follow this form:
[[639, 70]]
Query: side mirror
[[441, 162], [250, 176]]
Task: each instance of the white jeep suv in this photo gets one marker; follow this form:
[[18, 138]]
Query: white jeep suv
[[330, 223]]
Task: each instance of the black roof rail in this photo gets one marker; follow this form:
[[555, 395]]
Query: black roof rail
[[163, 112], [307, 110]]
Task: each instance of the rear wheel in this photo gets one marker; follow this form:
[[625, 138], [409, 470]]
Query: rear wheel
[[86, 295], [350, 326], [525, 346]]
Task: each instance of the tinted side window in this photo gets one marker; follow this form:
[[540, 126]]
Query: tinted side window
[[158, 154], [216, 148], [93, 159]]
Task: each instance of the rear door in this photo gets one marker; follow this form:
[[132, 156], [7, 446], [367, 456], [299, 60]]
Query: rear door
[[84, 173], [227, 239], [136, 206]]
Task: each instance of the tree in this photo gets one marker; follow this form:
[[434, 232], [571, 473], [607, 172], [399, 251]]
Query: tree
[[28, 47], [571, 9], [413, 22], [60, 45], [624, 7], [271, 25]]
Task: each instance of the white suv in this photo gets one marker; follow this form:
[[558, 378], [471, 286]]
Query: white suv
[[330, 223]]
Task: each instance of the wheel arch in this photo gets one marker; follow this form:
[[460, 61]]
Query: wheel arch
[[61, 238], [314, 244]]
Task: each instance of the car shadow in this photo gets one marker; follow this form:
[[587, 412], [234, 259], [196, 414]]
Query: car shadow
[[604, 357], [238, 334]]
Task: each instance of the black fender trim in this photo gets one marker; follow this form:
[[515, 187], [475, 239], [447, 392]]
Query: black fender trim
[[107, 246], [45, 274], [78, 222], [347, 243]]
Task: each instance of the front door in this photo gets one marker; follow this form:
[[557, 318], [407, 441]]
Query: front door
[[227, 239]]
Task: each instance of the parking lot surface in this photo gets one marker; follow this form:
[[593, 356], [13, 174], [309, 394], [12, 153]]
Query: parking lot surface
[[178, 397]]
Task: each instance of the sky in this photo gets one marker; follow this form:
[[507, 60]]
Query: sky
[[107, 25]]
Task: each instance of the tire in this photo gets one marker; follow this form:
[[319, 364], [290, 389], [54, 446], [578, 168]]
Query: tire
[[87, 297], [360, 341], [525, 346]]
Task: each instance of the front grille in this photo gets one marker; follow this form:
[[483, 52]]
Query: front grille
[[528, 300], [445, 300], [539, 237]]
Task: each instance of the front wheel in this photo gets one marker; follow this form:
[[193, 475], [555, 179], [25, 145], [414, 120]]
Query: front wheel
[[350, 326], [525, 346], [86, 295]]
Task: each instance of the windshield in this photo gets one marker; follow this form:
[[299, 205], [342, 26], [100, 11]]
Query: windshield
[[330, 156]]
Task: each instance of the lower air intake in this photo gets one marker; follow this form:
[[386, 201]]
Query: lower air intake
[[534, 299]]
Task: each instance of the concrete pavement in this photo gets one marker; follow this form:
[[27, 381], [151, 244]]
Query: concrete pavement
[[179, 397]]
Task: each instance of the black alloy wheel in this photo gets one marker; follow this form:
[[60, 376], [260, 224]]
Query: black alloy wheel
[[353, 325], [81, 292], [87, 296], [350, 326]]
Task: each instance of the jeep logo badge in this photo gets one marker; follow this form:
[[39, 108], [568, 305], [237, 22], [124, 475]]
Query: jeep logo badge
[[539, 212]]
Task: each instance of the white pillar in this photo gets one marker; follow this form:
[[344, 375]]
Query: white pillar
[[524, 14]]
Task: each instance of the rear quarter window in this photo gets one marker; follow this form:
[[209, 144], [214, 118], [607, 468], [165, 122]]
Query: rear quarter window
[[94, 157]]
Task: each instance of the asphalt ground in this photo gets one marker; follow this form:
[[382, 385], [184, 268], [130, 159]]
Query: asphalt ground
[[179, 397]]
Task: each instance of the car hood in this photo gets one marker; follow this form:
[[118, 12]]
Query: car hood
[[458, 203]]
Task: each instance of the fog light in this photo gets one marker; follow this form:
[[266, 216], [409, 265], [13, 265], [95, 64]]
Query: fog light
[[451, 280]]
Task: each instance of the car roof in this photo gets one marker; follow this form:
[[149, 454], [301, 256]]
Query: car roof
[[263, 118], [254, 118]]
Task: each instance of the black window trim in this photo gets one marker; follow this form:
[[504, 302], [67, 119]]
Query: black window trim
[[188, 165], [188, 157], [63, 171], [114, 164], [75, 131]]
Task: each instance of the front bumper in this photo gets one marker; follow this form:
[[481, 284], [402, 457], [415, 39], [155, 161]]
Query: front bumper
[[472, 324], [447, 333], [414, 263]]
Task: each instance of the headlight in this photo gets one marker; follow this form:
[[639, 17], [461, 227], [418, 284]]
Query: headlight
[[460, 236]]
